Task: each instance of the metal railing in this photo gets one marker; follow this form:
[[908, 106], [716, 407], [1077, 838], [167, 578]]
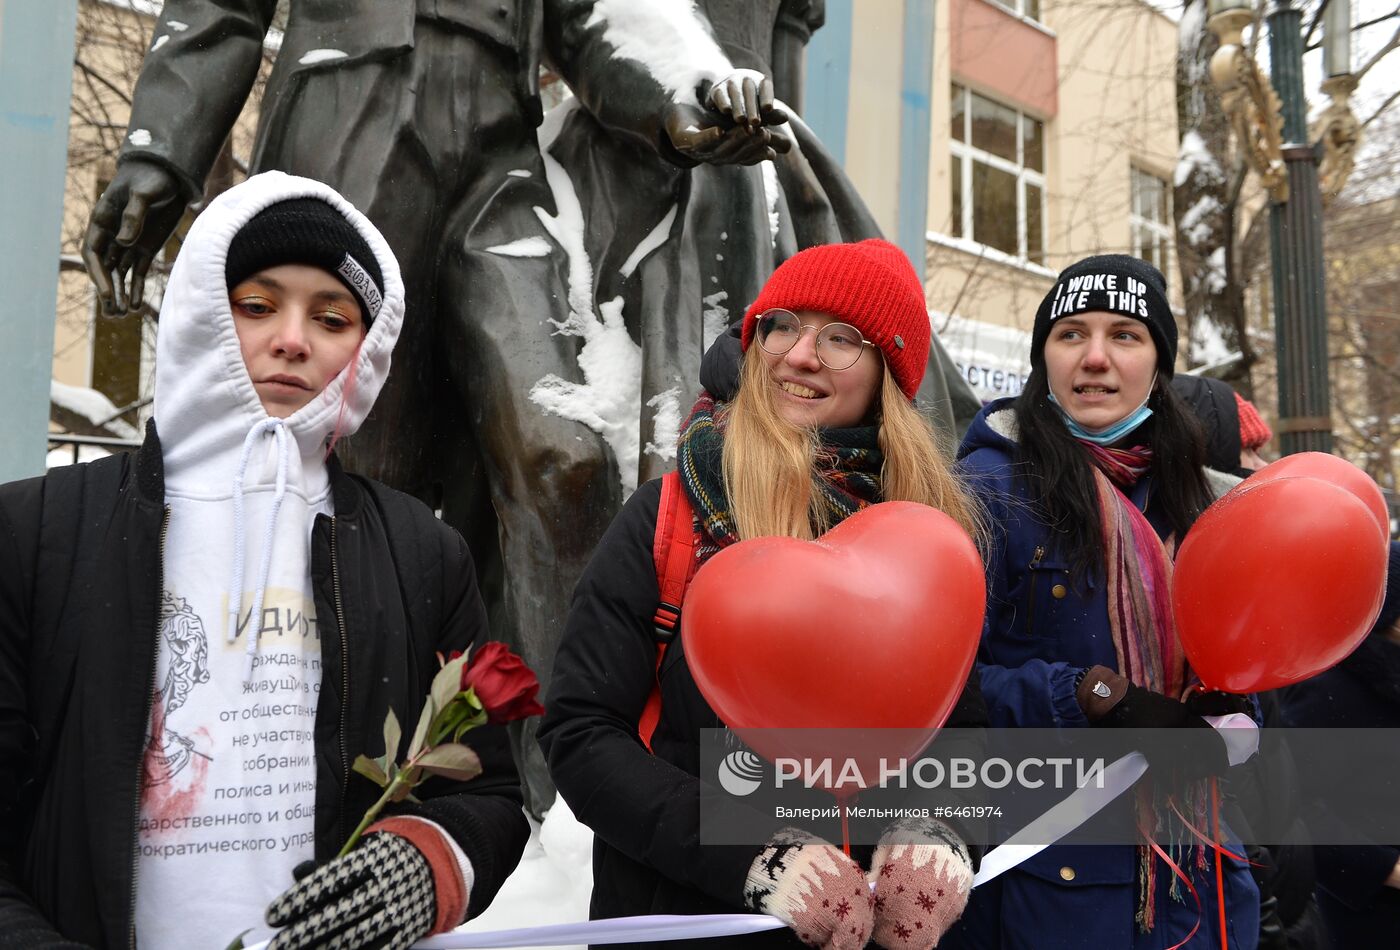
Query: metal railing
[[57, 440]]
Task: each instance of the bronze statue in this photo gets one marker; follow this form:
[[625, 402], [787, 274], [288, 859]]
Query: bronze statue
[[424, 114]]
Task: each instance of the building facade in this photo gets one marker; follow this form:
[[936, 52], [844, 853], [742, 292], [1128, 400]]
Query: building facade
[[1052, 135]]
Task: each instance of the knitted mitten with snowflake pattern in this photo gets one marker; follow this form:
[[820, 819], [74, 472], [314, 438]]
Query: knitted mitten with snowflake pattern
[[811, 886], [922, 874]]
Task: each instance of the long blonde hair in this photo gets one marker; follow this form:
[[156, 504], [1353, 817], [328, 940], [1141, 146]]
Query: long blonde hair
[[771, 467]]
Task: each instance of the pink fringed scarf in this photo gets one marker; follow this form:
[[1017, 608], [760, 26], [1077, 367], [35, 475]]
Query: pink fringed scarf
[[1138, 572], [1138, 569]]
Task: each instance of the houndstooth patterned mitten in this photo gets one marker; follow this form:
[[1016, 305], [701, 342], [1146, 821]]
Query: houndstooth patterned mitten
[[816, 890], [922, 874], [381, 895]]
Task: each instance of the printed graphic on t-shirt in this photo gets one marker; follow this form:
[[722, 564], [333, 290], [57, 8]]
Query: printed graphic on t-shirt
[[184, 641], [229, 771]]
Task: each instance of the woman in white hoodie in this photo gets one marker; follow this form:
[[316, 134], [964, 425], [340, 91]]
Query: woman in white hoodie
[[198, 639]]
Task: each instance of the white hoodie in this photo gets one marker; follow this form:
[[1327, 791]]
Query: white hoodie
[[229, 775]]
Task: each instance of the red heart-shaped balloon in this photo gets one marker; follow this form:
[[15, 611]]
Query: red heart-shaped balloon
[[1276, 582], [871, 628]]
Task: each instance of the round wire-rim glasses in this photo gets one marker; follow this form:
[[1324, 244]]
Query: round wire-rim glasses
[[839, 345]]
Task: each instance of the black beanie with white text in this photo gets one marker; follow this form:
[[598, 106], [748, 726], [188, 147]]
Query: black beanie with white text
[[1110, 283]]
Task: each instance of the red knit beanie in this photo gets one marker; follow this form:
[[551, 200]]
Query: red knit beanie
[[1254, 431], [870, 285]]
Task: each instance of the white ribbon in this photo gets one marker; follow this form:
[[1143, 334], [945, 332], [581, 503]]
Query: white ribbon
[[1241, 741]]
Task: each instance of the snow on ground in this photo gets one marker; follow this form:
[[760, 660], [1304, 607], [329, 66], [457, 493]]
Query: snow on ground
[[552, 882]]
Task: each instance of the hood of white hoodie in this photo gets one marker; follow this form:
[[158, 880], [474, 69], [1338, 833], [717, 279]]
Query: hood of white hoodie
[[205, 403]]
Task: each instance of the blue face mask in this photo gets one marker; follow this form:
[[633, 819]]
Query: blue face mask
[[1113, 433]]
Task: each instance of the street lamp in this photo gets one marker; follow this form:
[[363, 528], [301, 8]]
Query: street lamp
[[1247, 97], [1270, 121], [1337, 128]]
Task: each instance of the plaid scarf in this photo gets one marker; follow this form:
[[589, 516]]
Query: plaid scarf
[[849, 461], [1138, 569]]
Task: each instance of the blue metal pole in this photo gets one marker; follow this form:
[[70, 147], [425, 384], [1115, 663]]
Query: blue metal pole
[[915, 131], [36, 76], [827, 93]]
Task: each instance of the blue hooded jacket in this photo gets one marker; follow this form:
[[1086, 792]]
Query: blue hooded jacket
[[1039, 632]]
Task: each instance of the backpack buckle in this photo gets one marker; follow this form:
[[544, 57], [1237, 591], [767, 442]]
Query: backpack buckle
[[666, 622]]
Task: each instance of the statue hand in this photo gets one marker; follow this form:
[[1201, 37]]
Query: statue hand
[[704, 136], [747, 97], [129, 224]]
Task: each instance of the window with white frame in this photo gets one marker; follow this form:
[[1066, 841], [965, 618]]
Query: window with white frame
[[998, 176], [1030, 9], [1150, 219]]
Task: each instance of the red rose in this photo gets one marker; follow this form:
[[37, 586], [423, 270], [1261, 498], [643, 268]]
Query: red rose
[[506, 687]]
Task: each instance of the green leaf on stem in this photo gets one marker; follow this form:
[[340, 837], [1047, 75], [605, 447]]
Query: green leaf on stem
[[392, 735], [448, 682], [452, 761], [420, 734], [371, 770], [452, 720], [237, 942]]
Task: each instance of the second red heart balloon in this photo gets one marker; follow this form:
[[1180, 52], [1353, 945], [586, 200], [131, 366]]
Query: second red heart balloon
[[1276, 582]]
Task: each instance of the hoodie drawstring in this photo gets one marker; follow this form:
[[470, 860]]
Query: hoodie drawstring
[[235, 595]]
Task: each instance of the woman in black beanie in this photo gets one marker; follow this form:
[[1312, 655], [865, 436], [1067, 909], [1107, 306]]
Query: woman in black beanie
[[1090, 477]]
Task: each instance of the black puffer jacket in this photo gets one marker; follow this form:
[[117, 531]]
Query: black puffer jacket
[[644, 809], [1361, 692], [80, 586], [1267, 787]]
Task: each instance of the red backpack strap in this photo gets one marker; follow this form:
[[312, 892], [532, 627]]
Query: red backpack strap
[[673, 551]]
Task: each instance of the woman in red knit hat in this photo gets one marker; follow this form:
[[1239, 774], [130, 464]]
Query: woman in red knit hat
[[821, 426]]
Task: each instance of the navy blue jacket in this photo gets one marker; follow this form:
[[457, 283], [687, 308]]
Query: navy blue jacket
[[1039, 632]]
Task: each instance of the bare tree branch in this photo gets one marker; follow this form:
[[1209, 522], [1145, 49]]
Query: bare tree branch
[[1382, 108], [95, 76], [1379, 55]]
